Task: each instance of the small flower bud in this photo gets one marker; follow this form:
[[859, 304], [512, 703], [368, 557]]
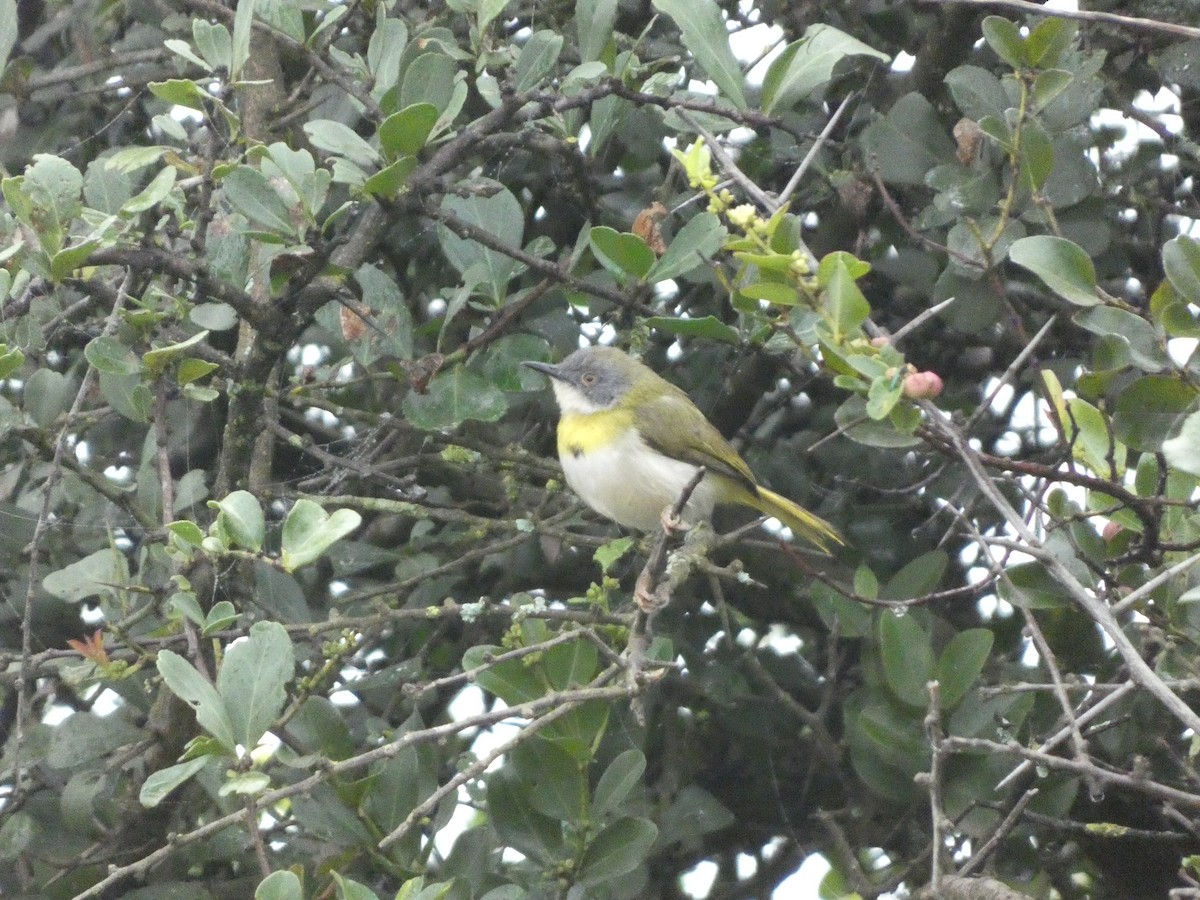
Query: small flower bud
[[922, 385]]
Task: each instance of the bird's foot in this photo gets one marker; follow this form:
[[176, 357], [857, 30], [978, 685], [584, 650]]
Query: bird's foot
[[672, 523], [644, 593]]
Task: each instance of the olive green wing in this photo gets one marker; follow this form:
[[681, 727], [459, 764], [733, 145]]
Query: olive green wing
[[672, 425]]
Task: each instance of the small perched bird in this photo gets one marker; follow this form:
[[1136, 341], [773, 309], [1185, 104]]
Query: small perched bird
[[630, 442]]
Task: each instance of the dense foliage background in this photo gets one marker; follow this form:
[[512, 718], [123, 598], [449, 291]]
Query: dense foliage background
[[295, 602]]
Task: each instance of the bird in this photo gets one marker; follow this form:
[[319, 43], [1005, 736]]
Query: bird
[[630, 441]]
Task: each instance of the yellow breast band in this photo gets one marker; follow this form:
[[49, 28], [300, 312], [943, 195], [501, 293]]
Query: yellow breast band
[[581, 433]]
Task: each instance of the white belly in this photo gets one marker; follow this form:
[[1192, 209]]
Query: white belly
[[632, 484]]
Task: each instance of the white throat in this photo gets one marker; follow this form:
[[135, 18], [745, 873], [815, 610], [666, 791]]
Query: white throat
[[571, 400]]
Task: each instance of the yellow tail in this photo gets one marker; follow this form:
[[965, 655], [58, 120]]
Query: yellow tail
[[804, 524]]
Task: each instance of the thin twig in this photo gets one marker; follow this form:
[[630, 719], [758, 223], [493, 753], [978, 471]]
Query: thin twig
[[477, 768], [728, 166], [647, 592], [979, 857], [433, 734], [1010, 373], [1092, 605], [1081, 15], [919, 320], [1136, 781], [1078, 744], [794, 181], [933, 781]]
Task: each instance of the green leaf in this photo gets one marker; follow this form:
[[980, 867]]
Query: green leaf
[[150, 196], [908, 142], [1029, 585], [214, 316], [517, 823], [8, 29], [1048, 85], [501, 363], [883, 395], [193, 369], [104, 572], [308, 531], [499, 215], [239, 51], [852, 418], [1150, 410], [18, 830], [47, 394], [404, 133], [845, 304], [1181, 262], [537, 60], [214, 43], [431, 78], [961, 663], [704, 33], [570, 665], [128, 396], [180, 92], [696, 243], [1183, 451], [694, 813], [10, 360], [594, 21], [130, 159], [609, 553], [907, 658], [554, 780], [156, 360], [1048, 40], [187, 531], [183, 50], [808, 64], [341, 140], [1144, 348], [1092, 440], [280, 885], [623, 774], [617, 850], [390, 180], [65, 262], [241, 518], [977, 92], [488, 10], [349, 889], [1005, 40], [110, 355], [191, 687], [512, 681], [918, 578], [708, 328], [159, 784], [384, 52], [252, 679], [54, 187], [452, 398], [621, 253], [222, 615], [777, 293], [1062, 266], [249, 192], [392, 316]]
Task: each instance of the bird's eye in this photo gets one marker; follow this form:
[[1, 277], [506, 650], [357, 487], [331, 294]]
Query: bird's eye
[[588, 379]]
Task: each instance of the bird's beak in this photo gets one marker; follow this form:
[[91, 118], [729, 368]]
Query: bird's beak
[[548, 369]]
